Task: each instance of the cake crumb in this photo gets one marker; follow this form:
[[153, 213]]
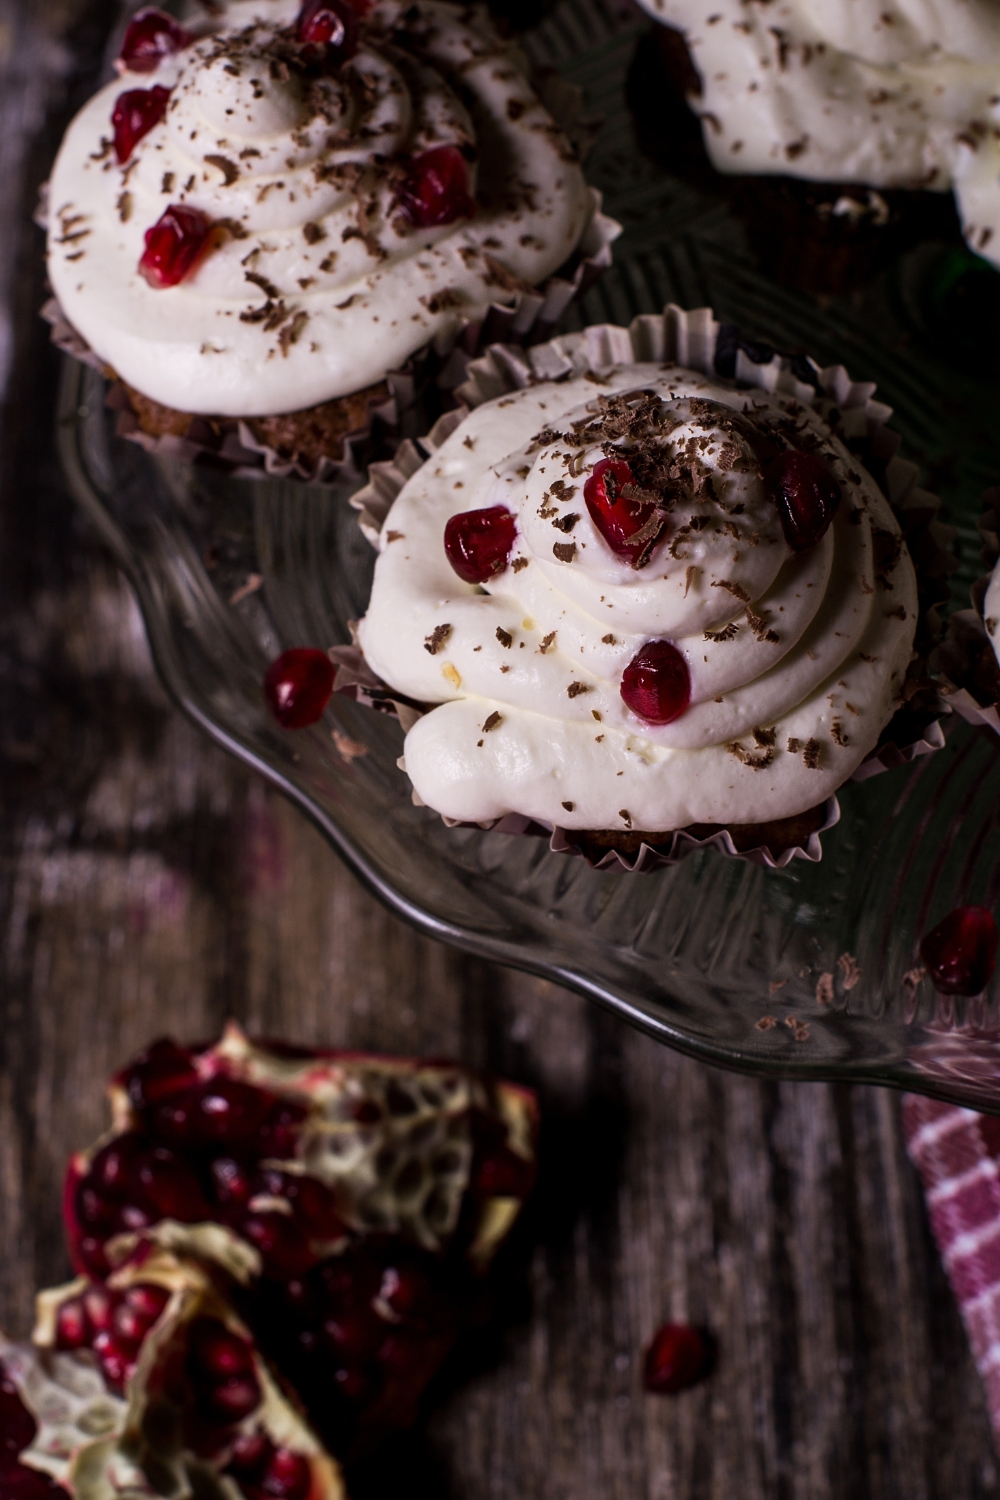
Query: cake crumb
[[850, 972], [766, 1023], [824, 989]]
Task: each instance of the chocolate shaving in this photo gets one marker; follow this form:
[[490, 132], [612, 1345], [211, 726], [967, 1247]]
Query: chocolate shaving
[[229, 169], [576, 688], [548, 641], [811, 754], [747, 758], [436, 639], [566, 523], [505, 638], [492, 722], [764, 736], [564, 551], [727, 633], [736, 589], [838, 735]]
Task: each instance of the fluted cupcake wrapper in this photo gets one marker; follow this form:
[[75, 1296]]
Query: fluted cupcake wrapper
[[696, 340], [958, 662]]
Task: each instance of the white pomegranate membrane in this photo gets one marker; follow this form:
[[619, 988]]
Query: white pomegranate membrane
[[727, 650], [356, 206]]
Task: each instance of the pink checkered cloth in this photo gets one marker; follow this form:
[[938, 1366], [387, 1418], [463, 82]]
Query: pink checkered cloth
[[957, 1153]]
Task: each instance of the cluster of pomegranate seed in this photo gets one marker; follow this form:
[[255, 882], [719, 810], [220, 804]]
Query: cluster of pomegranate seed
[[330, 26], [478, 543], [220, 1366], [175, 245], [677, 1358], [656, 684], [806, 494], [152, 35], [112, 1325], [134, 115], [618, 518], [435, 189], [961, 952], [261, 1470], [298, 685], [17, 1431]]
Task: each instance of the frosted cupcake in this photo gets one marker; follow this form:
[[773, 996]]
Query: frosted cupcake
[[260, 223], [861, 109], [645, 599]]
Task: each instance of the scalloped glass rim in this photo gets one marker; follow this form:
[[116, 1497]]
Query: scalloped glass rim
[[698, 954]]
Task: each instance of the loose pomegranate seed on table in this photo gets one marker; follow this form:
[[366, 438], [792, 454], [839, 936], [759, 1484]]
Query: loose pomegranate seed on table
[[298, 685], [152, 35], [617, 517], [175, 246], [656, 684], [677, 1358], [806, 494], [435, 190], [134, 115], [478, 543], [961, 951]]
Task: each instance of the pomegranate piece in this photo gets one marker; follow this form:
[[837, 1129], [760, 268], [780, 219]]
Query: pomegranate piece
[[435, 189], [330, 25], [174, 246], [298, 685], [806, 494], [152, 35], [628, 525], [677, 1358], [134, 115], [656, 684], [961, 952], [161, 1070], [478, 543]]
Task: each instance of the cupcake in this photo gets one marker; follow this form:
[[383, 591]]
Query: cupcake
[[646, 600], [259, 224], [861, 115]]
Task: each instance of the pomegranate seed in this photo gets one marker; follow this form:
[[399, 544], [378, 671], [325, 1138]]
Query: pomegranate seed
[[298, 685], [404, 1290], [172, 1187], [72, 1325], [436, 188], [806, 494], [216, 1354], [277, 1238], [128, 1325], [677, 1358], [352, 1383], [93, 1210], [250, 1453], [618, 518], [147, 1301], [132, 1219], [232, 1400], [223, 1112], [504, 1174], [353, 1335], [134, 115], [287, 1476], [113, 1169], [961, 952], [174, 246], [17, 1425], [162, 1069], [656, 684], [331, 25], [92, 1257], [99, 1305], [478, 543], [230, 1180], [117, 1357], [152, 35], [279, 1133]]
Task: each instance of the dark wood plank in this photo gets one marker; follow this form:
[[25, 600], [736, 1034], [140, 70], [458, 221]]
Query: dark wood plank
[[148, 883]]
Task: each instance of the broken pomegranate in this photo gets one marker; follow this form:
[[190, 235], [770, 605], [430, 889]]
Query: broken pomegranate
[[134, 115], [677, 1358], [298, 685], [329, 25], [630, 525], [656, 684], [152, 35], [175, 245], [478, 543], [961, 952], [806, 494], [435, 189]]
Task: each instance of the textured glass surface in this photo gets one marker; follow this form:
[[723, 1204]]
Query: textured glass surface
[[697, 954]]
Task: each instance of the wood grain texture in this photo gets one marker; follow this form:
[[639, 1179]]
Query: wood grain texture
[[149, 884]]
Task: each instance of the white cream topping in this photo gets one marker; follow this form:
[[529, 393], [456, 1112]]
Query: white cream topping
[[320, 285], [890, 93], [795, 660], [991, 610]]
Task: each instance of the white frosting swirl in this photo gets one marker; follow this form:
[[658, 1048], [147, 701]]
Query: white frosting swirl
[[795, 659], [321, 285], [891, 93]]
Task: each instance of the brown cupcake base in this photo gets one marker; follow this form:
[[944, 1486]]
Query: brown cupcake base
[[775, 836]]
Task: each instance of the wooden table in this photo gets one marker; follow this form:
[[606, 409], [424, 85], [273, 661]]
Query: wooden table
[[149, 884]]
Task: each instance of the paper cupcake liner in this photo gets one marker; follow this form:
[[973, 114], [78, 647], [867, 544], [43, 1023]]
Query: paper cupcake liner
[[696, 341], [418, 391], [967, 648]]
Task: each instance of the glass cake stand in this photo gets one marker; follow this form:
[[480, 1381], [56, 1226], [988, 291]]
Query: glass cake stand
[[724, 960]]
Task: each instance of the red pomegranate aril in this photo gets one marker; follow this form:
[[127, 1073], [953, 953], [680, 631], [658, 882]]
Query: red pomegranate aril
[[117, 1358], [298, 685], [331, 25], [250, 1453], [436, 189], [232, 1400], [961, 952], [172, 1187], [280, 1131], [147, 1302], [656, 684], [92, 1257], [677, 1358], [617, 518], [279, 1241], [806, 494], [478, 543], [163, 1069], [354, 1335], [287, 1476], [133, 1219], [405, 1291], [99, 1307], [152, 35], [174, 246], [216, 1354], [231, 1182], [134, 115], [72, 1325], [93, 1210], [352, 1383], [17, 1425]]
